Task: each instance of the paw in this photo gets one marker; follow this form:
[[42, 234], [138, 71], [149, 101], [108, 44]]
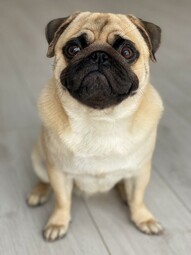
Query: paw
[[150, 227], [57, 225], [54, 232], [145, 221], [36, 199], [39, 195]]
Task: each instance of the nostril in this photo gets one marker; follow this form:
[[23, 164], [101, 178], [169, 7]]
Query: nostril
[[94, 56], [104, 56]]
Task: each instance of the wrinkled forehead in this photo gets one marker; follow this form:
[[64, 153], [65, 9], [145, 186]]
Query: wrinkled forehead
[[102, 28]]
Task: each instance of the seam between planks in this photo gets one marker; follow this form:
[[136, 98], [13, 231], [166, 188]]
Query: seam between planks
[[97, 228], [171, 188]]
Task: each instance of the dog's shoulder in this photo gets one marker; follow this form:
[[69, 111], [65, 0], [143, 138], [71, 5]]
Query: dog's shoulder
[[152, 101], [149, 111], [50, 109]]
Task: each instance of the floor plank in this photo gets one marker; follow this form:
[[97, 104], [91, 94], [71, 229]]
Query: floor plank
[[172, 157]]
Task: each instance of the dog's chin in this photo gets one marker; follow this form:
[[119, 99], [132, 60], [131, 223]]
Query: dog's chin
[[96, 91]]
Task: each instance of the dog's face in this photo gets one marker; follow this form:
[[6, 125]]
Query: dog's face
[[102, 59]]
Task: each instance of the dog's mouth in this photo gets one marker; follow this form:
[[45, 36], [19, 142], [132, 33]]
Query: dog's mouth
[[99, 85], [94, 82], [95, 90]]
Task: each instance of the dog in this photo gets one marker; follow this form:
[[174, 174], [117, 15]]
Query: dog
[[100, 115]]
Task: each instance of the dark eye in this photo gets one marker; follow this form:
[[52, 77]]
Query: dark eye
[[72, 50], [127, 52]]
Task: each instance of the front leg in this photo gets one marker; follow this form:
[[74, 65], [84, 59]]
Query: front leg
[[58, 223], [135, 188]]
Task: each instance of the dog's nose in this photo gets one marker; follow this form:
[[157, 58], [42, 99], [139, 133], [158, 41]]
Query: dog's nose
[[99, 57]]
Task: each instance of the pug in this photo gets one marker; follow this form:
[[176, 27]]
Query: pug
[[99, 115]]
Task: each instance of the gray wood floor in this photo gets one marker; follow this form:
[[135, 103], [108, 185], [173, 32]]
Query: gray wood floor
[[100, 224]]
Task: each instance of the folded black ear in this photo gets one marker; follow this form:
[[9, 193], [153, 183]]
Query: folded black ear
[[54, 29], [150, 32]]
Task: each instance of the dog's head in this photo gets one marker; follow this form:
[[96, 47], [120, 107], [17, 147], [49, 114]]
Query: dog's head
[[102, 59]]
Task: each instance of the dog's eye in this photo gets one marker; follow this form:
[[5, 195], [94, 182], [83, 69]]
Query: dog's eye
[[72, 50], [127, 52]]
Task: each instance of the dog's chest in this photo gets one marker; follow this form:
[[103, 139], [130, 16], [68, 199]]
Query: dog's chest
[[98, 156]]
